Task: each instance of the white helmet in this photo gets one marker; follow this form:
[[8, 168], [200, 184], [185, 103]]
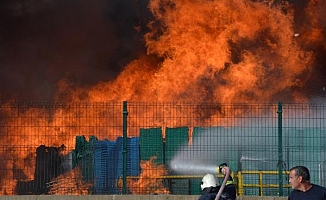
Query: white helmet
[[209, 180]]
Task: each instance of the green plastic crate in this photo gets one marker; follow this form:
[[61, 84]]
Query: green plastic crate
[[151, 144]]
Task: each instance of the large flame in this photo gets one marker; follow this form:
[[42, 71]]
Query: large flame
[[218, 51], [150, 180]]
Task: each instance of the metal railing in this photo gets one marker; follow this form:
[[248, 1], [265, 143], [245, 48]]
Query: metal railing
[[261, 185]]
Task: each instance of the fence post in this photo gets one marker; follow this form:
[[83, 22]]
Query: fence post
[[124, 151], [280, 150], [240, 183]]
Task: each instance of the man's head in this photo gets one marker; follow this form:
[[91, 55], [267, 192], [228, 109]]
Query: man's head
[[299, 175], [209, 180], [221, 166]]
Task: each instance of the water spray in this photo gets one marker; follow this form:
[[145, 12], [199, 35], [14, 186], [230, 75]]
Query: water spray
[[192, 168]]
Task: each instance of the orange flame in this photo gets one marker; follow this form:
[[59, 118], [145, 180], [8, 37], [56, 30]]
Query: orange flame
[[217, 51], [69, 184], [150, 180]]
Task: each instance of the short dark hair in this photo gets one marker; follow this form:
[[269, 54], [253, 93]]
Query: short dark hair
[[301, 171]]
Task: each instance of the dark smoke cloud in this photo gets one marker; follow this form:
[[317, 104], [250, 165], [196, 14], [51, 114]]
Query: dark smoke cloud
[[304, 25], [82, 41]]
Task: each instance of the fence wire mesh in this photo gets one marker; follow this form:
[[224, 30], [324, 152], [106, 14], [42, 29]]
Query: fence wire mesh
[[81, 148]]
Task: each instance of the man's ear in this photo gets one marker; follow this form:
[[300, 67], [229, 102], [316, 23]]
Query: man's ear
[[300, 179]]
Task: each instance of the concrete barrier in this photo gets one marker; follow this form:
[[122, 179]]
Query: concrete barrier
[[124, 197]]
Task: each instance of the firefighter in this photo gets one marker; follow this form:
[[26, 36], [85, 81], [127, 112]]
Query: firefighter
[[229, 192], [210, 186]]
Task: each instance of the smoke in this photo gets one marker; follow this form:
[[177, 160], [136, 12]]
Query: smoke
[[235, 146], [215, 51], [253, 142], [81, 42]]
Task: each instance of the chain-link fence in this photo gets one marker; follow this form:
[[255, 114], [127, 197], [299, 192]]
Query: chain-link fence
[[156, 148]]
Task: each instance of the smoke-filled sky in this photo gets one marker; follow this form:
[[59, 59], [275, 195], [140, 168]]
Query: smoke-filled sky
[[159, 50], [81, 41]]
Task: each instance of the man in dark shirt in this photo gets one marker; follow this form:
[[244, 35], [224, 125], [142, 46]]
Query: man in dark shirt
[[303, 189]]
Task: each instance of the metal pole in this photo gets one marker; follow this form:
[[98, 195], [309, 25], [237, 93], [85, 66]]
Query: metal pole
[[321, 173], [280, 150], [124, 151]]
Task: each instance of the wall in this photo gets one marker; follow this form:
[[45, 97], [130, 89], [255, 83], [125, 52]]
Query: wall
[[125, 197]]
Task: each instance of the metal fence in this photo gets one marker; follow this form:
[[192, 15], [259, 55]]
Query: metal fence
[[156, 148]]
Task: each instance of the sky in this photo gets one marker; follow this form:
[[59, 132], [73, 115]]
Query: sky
[[45, 41]]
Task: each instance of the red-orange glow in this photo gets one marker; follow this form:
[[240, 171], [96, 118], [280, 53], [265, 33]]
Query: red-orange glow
[[226, 51], [69, 184], [150, 180], [313, 30]]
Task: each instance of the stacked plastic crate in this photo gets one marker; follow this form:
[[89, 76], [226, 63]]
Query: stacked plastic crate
[[133, 162], [104, 155], [133, 157], [83, 156], [175, 139], [151, 144], [109, 164]]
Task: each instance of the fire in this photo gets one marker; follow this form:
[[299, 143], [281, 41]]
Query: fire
[[150, 180], [217, 51], [69, 184], [222, 51], [313, 31]]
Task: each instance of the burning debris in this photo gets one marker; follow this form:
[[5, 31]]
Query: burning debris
[[70, 183], [150, 180]]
